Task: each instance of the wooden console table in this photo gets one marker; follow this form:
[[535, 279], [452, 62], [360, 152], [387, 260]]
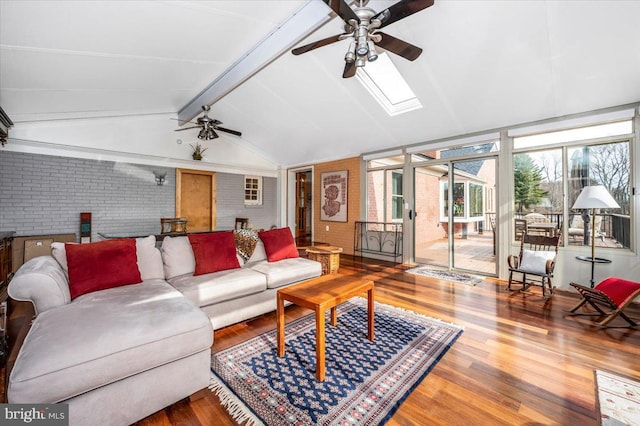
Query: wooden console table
[[318, 294]]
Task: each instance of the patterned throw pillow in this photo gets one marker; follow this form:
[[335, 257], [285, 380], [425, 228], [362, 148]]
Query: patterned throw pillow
[[246, 240]]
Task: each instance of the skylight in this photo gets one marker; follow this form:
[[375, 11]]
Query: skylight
[[383, 80]]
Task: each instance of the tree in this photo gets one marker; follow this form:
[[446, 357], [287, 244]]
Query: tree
[[526, 178]]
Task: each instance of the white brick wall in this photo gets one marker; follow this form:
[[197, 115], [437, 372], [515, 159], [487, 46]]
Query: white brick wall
[[44, 194]]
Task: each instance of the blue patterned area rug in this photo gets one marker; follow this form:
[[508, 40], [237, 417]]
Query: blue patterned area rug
[[445, 275], [365, 381]]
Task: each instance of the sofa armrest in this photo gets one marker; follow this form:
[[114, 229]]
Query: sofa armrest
[[42, 282]]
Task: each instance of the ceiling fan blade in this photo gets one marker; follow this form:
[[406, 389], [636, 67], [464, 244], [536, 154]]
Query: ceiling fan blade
[[349, 70], [187, 128], [400, 10], [343, 10], [399, 47], [316, 44], [233, 132]]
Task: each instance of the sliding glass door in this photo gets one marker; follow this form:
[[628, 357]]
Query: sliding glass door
[[455, 207]]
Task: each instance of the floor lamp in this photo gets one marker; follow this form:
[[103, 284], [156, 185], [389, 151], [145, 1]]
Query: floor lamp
[[594, 197]]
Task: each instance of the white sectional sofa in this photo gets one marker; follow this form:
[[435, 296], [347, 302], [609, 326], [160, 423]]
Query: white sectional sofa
[[233, 295], [120, 354]]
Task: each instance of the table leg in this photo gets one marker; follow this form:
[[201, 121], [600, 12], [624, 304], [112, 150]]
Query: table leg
[[280, 322], [334, 316], [370, 314], [320, 343]]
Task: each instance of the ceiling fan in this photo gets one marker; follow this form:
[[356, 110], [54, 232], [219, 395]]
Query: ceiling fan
[[363, 25], [208, 126]]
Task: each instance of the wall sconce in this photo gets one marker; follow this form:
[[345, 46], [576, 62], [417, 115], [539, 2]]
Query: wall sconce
[[160, 177]]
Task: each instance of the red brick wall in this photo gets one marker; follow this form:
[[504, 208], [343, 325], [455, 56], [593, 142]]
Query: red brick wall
[[340, 233]]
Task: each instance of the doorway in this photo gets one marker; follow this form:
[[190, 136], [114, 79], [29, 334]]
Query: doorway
[[300, 204], [303, 204], [455, 206]]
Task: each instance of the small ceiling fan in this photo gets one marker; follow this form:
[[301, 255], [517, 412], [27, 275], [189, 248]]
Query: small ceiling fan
[[208, 126], [362, 25]]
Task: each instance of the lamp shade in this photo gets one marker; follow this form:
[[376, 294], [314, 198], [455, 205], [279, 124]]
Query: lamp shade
[[595, 197]]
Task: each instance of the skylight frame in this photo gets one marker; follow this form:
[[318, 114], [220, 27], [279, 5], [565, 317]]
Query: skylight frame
[[380, 89]]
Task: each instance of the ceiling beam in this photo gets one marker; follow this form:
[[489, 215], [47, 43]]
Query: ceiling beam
[[303, 22]]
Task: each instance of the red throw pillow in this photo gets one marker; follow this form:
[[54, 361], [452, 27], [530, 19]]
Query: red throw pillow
[[279, 244], [101, 265], [215, 251]]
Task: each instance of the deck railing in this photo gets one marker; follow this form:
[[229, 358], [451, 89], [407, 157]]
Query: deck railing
[[614, 226]]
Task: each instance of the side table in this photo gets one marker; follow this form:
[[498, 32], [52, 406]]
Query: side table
[[328, 256], [593, 261]]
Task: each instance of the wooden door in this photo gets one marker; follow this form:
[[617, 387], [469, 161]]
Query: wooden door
[[196, 199]]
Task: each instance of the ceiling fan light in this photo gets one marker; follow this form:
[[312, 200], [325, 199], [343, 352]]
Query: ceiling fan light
[[360, 62], [363, 49], [350, 57], [372, 55], [202, 134]]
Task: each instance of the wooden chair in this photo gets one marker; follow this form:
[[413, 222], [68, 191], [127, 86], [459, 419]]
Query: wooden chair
[[612, 294], [241, 223], [520, 228], [536, 260]]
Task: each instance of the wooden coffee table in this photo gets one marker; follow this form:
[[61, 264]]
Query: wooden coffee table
[[318, 294]]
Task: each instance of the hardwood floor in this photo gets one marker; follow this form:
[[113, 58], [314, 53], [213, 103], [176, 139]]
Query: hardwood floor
[[518, 362]]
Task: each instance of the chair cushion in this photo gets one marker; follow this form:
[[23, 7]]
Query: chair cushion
[[288, 271], [103, 337], [206, 289], [535, 262], [617, 289], [279, 244], [213, 252], [101, 265]]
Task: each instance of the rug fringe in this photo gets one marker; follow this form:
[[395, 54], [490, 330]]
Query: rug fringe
[[234, 405]]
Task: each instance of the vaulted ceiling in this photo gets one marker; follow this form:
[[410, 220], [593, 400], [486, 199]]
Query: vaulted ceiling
[[485, 65]]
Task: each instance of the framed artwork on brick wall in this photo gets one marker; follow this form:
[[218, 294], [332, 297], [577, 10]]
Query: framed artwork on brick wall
[[334, 196]]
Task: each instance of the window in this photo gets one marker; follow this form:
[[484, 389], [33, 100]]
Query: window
[[582, 133], [384, 192], [396, 195], [539, 182], [385, 83], [465, 195], [252, 190], [476, 204]]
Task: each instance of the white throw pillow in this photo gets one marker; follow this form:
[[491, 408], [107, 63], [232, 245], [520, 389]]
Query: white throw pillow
[[149, 259], [60, 255], [177, 256], [535, 262]]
